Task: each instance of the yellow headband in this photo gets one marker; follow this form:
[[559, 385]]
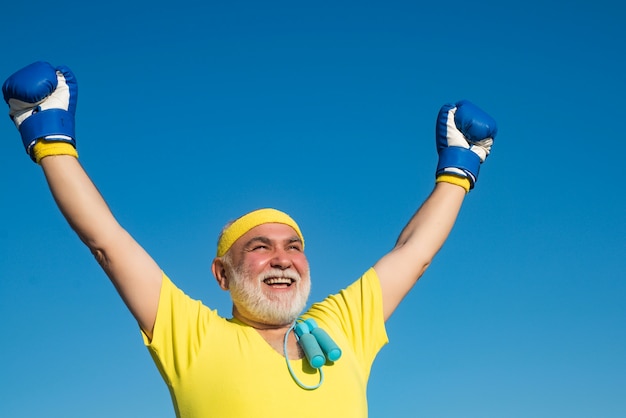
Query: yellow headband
[[249, 221]]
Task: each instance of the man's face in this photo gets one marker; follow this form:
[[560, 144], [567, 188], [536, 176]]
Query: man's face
[[268, 275]]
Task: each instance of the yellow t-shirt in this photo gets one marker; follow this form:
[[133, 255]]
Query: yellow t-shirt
[[215, 367]]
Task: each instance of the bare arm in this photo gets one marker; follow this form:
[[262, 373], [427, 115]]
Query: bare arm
[[133, 272], [42, 103], [464, 135], [418, 244]]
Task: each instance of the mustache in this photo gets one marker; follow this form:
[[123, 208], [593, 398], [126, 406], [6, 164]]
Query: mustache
[[278, 273]]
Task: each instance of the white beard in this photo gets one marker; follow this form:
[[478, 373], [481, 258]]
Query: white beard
[[272, 309]]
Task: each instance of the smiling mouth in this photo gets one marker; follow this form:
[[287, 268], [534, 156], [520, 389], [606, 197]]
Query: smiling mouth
[[279, 281]]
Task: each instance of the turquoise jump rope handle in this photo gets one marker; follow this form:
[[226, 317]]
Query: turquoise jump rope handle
[[330, 349]]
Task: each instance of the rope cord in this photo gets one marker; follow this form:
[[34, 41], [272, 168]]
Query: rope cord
[[291, 372]]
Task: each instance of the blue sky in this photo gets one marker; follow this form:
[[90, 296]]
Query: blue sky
[[193, 113]]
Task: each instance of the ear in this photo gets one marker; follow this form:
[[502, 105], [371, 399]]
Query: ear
[[219, 271]]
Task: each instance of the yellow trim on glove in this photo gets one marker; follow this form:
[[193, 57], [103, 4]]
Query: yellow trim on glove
[[255, 218], [459, 181], [45, 148]]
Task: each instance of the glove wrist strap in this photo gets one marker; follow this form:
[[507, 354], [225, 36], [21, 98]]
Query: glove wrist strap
[[52, 124], [462, 159]]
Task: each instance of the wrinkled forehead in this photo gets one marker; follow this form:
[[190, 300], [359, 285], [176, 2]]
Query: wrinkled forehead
[[242, 225]]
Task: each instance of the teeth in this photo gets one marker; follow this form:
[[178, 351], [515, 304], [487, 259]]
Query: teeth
[[278, 280]]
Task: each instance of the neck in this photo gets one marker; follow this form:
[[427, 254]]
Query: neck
[[258, 325], [274, 335]]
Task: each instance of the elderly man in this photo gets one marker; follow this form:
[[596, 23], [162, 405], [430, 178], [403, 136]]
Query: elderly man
[[270, 359]]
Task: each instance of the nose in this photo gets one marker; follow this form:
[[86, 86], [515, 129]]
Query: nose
[[281, 259]]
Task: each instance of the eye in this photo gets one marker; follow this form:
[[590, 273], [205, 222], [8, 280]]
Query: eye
[[295, 247]]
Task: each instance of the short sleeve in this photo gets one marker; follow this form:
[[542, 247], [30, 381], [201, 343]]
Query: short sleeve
[[357, 313], [178, 330]]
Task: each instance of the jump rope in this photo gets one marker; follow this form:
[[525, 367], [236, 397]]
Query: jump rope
[[317, 345]]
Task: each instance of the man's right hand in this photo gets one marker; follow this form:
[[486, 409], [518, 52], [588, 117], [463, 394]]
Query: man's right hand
[[42, 104]]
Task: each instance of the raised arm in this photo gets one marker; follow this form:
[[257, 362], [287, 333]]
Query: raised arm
[[42, 102], [464, 135]]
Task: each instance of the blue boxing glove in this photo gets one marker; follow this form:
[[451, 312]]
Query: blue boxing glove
[[42, 104], [464, 135]]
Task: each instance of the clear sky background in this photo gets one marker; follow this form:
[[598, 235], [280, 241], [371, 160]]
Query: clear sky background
[[192, 113]]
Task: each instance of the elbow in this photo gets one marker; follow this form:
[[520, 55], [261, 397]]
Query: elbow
[[100, 257], [415, 262], [104, 241], [422, 268], [104, 246]]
